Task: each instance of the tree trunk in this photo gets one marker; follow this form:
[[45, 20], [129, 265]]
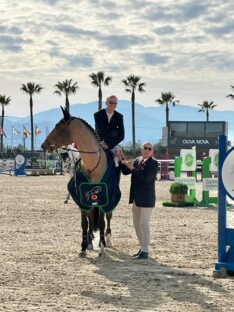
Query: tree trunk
[[99, 98], [207, 115], [67, 104], [167, 115], [31, 117], [133, 124], [2, 126]]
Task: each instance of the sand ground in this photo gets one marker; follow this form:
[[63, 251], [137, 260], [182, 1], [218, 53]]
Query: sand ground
[[41, 269]]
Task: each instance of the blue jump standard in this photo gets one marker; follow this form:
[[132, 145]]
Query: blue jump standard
[[225, 188]]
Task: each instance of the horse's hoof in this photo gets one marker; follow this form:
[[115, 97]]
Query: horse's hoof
[[108, 241], [82, 254], [101, 251], [90, 247], [108, 232]]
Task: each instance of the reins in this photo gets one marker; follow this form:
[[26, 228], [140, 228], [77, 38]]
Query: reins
[[79, 151], [99, 158]]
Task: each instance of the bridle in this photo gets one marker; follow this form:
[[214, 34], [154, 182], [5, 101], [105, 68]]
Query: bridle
[[66, 123]]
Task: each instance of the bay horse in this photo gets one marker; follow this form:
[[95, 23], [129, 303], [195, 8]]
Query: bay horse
[[93, 165]]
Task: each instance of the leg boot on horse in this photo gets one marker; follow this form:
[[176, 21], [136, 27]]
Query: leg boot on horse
[[108, 230], [85, 238], [101, 223]]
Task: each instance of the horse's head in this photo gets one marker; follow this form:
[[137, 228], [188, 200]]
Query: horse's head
[[59, 136]]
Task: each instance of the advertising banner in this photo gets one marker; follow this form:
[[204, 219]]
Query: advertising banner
[[210, 184], [6, 165], [214, 155], [189, 181], [189, 161], [20, 164]]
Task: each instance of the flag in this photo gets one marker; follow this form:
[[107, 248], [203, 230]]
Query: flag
[[15, 131], [37, 131], [26, 133], [2, 132]]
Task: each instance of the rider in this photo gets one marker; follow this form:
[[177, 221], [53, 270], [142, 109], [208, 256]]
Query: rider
[[110, 127]]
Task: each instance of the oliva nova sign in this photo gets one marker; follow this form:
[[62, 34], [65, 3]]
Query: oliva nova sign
[[195, 141]]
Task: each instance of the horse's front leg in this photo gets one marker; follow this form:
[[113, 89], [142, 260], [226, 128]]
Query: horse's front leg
[[84, 225], [101, 223], [108, 230]]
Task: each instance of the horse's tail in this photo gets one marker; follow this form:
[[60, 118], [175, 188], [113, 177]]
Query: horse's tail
[[95, 218]]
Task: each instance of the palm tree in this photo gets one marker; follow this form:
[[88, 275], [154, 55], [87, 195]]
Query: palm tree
[[67, 87], [231, 95], [205, 106], [31, 88], [4, 101], [132, 85], [167, 98], [97, 81]]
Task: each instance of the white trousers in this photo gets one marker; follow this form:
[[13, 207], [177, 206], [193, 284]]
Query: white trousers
[[141, 223]]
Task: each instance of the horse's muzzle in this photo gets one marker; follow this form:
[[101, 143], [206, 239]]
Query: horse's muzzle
[[47, 147]]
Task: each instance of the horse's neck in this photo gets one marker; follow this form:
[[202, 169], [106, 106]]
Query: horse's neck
[[91, 154], [83, 137]]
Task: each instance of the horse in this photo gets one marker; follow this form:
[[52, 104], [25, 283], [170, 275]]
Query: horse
[[94, 165], [70, 157]]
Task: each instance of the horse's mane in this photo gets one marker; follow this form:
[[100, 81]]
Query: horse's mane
[[90, 128]]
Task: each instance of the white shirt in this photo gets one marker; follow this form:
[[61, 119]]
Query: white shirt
[[109, 116]]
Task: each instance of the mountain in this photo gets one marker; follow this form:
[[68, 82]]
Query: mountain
[[149, 121]]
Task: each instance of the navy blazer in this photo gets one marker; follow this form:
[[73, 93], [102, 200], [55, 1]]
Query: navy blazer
[[112, 133], [142, 189]]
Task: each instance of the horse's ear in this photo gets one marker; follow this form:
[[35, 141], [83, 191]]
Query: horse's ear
[[66, 113]]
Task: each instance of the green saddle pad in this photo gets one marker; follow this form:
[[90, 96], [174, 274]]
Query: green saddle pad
[[93, 194]]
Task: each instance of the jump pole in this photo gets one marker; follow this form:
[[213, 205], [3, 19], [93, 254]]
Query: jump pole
[[225, 188]]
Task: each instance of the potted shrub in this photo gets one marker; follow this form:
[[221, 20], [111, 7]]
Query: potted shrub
[[178, 192]]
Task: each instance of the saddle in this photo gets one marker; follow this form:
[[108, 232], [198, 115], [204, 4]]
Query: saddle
[[104, 194]]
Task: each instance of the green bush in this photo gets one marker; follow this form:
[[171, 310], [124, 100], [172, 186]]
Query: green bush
[[178, 188]]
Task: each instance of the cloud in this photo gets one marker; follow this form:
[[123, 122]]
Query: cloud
[[165, 30], [224, 29], [12, 43], [51, 2], [177, 11], [183, 42], [154, 59], [122, 42], [71, 30], [80, 61]]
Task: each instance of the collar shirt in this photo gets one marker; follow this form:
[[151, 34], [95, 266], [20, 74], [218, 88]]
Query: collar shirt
[[143, 160]]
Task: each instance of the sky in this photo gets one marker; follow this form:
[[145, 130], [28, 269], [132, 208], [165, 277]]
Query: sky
[[183, 47]]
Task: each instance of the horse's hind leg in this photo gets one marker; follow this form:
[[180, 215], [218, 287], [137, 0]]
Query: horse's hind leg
[[67, 198], [90, 231], [108, 230], [85, 242]]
